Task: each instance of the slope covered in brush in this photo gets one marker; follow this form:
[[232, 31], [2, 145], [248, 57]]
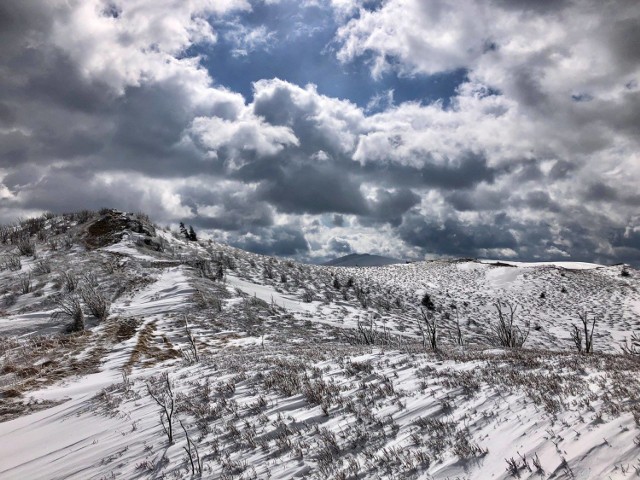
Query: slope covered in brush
[[260, 367]]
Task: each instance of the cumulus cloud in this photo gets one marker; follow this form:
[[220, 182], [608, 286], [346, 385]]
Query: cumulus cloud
[[533, 156]]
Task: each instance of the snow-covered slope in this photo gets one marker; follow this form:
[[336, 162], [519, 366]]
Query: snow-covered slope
[[276, 369]]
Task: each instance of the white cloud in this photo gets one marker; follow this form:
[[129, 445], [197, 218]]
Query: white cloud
[[247, 133], [127, 43], [247, 40]]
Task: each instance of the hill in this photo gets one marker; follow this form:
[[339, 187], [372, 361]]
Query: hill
[[362, 260], [193, 359]]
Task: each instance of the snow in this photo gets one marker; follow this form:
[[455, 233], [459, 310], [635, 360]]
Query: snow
[[169, 293], [270, 295], [575, 413], [565, 265]]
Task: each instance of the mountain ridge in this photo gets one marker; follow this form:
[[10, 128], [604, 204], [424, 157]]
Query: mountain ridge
[[362, 260]]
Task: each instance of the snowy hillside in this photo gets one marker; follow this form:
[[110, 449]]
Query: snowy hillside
[[198, 360]]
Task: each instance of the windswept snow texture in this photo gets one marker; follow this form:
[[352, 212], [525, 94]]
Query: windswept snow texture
[[282, 370]]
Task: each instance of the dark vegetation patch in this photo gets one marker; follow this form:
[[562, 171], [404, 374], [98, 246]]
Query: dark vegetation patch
[[112, 225]]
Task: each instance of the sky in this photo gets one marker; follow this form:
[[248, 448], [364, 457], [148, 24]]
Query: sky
[[312, 129]]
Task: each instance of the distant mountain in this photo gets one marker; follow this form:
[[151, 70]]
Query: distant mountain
[[362, 260]]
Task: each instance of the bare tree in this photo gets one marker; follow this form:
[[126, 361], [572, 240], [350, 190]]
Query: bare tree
[[69, 306], [586, 334], [430, 336], [162, 394], [505, 332]]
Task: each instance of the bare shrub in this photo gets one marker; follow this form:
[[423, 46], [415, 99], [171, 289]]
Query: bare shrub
[[13, 263], [366, 333], [207, 299], [82, 216], [42, 267], [95, 301], [267, 271], [192, 453], [227, 261], [578, 335], [430, 330], [67, 242], [162, 393], [631, 345], [203, 267], [32, 226], [26, 247], [42, 235], [5, 233], [25, 283], [90, 279], [505, 333], [512, 467], [69, 306], [11, 299], [459, 339], [427, 302], [70, 281], [464, 447], [219, 276], [191, 354]]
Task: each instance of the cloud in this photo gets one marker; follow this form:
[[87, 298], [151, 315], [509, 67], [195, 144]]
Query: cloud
[[533, 153], [246, 40], [340, 246], [246, 134], [278, 240]]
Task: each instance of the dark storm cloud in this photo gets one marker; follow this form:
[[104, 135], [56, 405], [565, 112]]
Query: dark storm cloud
[[340, 246], [453, 237], [467, 171], [277, 240], [390, 206], [477, 200], [313, 189], [472, 169], [561, 169], [540, 200], [233, 208], [625, 41], [601, 192]]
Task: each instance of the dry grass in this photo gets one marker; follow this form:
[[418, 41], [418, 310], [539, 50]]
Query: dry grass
[[151, 348]]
